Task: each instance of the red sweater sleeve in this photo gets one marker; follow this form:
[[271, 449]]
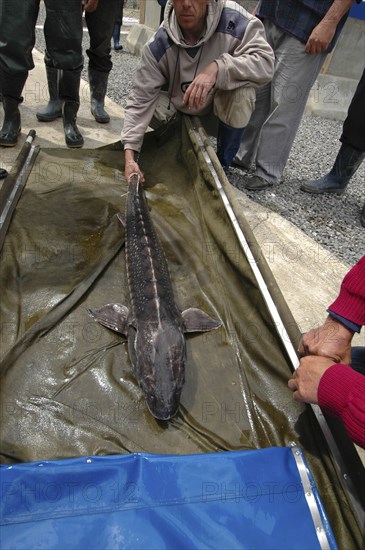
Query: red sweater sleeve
[[350, 303], [341, 392]]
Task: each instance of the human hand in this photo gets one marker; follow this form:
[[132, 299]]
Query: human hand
[[305, 381], [198, 90], [90, 5], [133, 168], [332, 340], [320, 38]]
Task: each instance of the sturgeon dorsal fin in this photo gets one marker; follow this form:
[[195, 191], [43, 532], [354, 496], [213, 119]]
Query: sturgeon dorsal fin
[[196, 320], [112, 316]]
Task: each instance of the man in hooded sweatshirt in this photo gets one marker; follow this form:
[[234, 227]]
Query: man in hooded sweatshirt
[[210, 55]]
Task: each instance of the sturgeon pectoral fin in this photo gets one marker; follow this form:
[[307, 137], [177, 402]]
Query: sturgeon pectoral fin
[[196, 320], [113, 316]]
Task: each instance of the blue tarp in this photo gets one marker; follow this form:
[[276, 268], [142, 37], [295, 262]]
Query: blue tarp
[[242, 499]]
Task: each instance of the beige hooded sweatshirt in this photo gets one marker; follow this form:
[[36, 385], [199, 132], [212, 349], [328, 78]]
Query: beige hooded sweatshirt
[[234, 39]]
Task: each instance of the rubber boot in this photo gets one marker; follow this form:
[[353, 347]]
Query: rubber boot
[[228, 142], [69, 90], [53, 109], [116, 37], [347, 162], [73, 136], [98, 85], [11, 87], [11, 126]]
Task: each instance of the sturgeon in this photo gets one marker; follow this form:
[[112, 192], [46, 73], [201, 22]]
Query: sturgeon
[[153, 324]]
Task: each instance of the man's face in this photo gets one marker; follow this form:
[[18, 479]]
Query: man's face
[[190, 13]]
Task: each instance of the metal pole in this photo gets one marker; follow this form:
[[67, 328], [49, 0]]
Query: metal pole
[[14, 183]]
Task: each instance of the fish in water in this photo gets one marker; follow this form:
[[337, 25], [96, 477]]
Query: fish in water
[[153, 324]]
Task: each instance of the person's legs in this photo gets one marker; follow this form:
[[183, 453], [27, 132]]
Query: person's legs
[[353, 131], [233, 109], [11, 89], [100, 24], [17, 19], [352, 150], [53, 109], [281, 105], [63, 34], [246, 154], [118, 26]]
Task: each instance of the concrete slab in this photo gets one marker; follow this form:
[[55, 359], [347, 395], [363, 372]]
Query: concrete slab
[[331, 96], [138, 36], [307, 274]]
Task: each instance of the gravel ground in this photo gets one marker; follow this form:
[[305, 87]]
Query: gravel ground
[[332, 221]]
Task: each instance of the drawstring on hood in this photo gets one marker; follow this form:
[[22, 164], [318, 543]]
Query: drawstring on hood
[[171, 87]]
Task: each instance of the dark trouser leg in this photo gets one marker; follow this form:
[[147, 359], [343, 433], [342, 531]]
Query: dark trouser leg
[[11, 89], [69, 87], [53, 109], [228, 142], [100, 24], [63, 34], [116, 37], [351, 153], [353, 131]]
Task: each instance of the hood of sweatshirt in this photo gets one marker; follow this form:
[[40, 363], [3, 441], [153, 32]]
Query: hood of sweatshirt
[[172, 27]]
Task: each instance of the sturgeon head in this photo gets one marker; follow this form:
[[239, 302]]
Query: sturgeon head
[[159, 363]]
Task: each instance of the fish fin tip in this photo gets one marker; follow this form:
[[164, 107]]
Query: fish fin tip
[[121, 217], [196, 320], [112, 316]]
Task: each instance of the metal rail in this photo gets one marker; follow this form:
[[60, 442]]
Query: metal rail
[[13, 185]]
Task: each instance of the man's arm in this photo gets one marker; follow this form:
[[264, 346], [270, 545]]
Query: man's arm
[[323, 33], [350, 303], [346, 316], [250, 64], [140, 108], [336, 388]]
